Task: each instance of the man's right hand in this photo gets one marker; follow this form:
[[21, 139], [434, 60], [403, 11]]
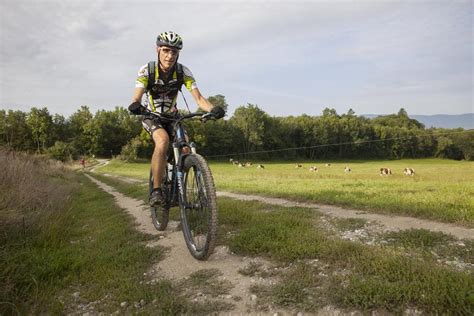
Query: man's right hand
[[137, 108]]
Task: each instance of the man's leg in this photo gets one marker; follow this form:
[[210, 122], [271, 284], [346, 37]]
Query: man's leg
[[158, 160]]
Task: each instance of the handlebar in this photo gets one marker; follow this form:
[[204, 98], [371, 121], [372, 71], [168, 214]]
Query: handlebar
[[204, 116]]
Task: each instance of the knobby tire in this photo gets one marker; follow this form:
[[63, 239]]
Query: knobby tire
[[199, 210]]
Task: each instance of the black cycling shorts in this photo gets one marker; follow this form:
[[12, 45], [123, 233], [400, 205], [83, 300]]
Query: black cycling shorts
[[151, 125]]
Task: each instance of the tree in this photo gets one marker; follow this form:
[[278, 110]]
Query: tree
[[447, 149], [40, 122], [17, 134], [77, 126], [250, 120], [402, 113], [218, 100], [3, 127]]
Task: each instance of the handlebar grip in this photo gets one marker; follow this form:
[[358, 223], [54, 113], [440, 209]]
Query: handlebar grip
[[208, 116]]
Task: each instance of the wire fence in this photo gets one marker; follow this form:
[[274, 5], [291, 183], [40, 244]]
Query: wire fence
[[339, 144]]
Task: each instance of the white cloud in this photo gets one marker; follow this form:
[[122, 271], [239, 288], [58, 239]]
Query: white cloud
[[309, 53]]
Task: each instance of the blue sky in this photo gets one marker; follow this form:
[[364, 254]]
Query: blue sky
[[289, 58]]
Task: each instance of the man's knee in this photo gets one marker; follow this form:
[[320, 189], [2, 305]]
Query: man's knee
[[161, 140]]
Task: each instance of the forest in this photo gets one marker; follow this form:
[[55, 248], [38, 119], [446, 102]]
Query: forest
[[249, 133]]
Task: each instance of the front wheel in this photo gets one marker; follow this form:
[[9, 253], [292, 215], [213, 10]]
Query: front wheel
[[199, 207]]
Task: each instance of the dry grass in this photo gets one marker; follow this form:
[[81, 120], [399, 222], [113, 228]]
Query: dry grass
[[28, 186]]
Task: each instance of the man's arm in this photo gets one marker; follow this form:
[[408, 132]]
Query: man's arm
[[201, 101], [137, 94]]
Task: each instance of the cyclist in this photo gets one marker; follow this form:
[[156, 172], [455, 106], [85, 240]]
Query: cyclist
[[161, 94]]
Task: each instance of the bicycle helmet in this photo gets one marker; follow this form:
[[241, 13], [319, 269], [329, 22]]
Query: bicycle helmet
[[170, 39]]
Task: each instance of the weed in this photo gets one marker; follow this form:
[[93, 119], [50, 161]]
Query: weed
[[417, 238], [301, 287], [203, 288], [207, 282], [427, 243]]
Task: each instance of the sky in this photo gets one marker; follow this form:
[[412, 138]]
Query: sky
[[286, 57]]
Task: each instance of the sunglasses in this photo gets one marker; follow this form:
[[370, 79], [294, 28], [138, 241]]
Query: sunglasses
[[169, 51]]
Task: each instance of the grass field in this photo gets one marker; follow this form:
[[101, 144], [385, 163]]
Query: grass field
[[441, 189]]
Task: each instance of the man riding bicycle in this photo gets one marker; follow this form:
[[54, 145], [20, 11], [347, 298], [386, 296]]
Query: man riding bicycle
[[161, 82]]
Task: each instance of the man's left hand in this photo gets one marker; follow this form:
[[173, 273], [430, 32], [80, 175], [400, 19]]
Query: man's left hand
[[218, 112]]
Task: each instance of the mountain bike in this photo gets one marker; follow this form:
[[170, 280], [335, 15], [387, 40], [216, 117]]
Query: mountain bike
[[188, 183]]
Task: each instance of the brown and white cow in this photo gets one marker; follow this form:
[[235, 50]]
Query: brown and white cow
[[385, 171], [260, 167], [313, 169], [347, 170], [409, 171], [298, 166]]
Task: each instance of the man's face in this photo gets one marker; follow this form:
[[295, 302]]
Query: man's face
[[168, 56]]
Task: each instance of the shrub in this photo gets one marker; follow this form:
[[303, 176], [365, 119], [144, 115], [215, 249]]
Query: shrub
[[61, 151], [129, 152]]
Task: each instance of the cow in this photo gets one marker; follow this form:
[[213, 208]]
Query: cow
[[248, 164], [385, 171], [328, 165], [298, 166], [313, 169], [231, 160], [347, 170], [260, 167], [409, 172]]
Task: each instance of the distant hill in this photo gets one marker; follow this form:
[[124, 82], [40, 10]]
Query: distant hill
[[465, 121]]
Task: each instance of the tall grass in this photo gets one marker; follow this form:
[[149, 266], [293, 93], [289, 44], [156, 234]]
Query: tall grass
[[27, 184], [33, 194]]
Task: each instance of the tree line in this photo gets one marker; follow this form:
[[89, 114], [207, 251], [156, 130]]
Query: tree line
[[248, 133]]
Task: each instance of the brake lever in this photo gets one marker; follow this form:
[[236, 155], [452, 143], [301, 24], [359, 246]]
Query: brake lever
[[208, 116]]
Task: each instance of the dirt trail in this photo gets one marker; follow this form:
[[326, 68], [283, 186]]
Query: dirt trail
[[179, 264], [102, 162], [390, 222]]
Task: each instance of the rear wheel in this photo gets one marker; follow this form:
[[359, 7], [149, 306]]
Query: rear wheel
[[160, 214], [199, 208]]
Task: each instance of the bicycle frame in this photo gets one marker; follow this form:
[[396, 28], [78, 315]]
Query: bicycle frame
[[178, 143], [189, 184]]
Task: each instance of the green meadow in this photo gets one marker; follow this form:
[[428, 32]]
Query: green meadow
[[440, 189]]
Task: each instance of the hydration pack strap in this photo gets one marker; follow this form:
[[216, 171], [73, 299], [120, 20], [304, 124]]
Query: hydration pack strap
[[151, 75], [179, 75]]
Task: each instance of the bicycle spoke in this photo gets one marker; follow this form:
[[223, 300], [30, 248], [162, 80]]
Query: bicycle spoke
[[199, 212]]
